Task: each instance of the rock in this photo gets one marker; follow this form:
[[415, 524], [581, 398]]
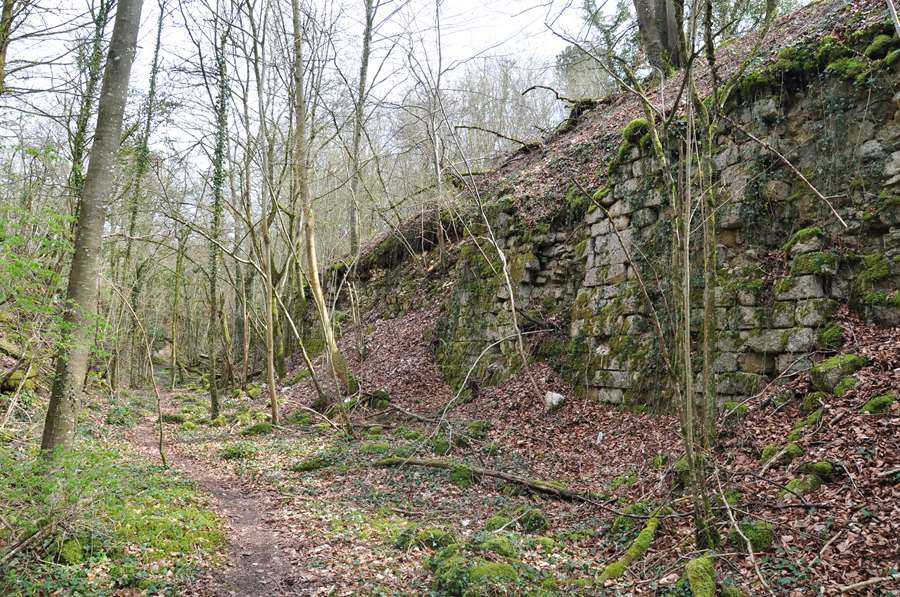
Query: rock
[[870, 150], [799, 287], [553, 400], [827, 374]]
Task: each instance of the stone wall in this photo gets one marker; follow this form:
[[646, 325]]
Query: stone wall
[[786, 261]]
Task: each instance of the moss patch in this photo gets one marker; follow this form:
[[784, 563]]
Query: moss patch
[[637, 549], [701, 574], [879, 404], [759, 533], [238, 451], [258, 429], [430, 537]]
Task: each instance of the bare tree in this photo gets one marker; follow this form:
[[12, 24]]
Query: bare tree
[[81, 297]]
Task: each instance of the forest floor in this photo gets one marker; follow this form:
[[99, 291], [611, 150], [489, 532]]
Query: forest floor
[[310, 511]]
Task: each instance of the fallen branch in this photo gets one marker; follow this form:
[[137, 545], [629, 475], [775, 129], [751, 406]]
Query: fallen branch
[[869, 583], [544, 487]]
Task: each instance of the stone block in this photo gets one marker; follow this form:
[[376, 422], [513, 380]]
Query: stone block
[[782, 315], [814, 312], [608, 395], [799, 287]]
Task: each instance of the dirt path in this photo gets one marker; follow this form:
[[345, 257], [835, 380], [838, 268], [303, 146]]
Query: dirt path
[[259, 562]]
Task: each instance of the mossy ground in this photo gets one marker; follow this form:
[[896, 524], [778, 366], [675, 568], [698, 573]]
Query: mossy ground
[[124, 524]]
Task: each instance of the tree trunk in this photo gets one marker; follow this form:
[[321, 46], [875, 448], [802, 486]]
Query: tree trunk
[[6, 29], [81, 296], [358, 124], [301, 186], [218, 189], [660, 23]]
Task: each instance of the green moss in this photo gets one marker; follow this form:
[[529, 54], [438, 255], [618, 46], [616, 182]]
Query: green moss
[[738, 410], [531, 520], [378, 448], [497, 521], [879, 404], [478, 429], [637, 549], [830, 372], [788, 452], [502, 544], [429, 537], [817, 262], [879, 47], [892, 58], [701, 574], [630, 518], [802, 485], [851, 68], [71, 552], [238, 451], [803, 235], [845, 385], [552, 485], [462, 476], [409, 434], [484, 573], [440, 445], [219, 421], [831, 336], [254, 391], [258, 429], [823, 469], [188, 425], [635, 129], [313, 463], [731, 592], [876, 267], [759, 533], [451, 575]]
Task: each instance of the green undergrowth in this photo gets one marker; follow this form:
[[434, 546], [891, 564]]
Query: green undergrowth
[[101, 521]]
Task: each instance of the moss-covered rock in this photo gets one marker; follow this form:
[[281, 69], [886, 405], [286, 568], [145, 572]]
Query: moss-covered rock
[[823, 469], [759, 533], [254, 392], [734, 409], [731, 592], [496, 522], [879, 404], [830, 337], [785, 453], [880, 46], [635, 129], [827, 374], [804, 236], [817, 262], [845, 385], [531, 520], [701, 574], [313, 463], [238, 451], [501, 544], [801, 485]]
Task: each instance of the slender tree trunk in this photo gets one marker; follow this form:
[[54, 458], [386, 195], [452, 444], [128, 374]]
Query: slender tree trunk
[[301, 186], [218, 188], [81, 296], [179, 267], [6, 29], [359, 112], [142, 163], [79, 139]]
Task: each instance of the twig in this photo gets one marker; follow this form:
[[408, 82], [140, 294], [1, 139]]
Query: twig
[[868, 583]]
